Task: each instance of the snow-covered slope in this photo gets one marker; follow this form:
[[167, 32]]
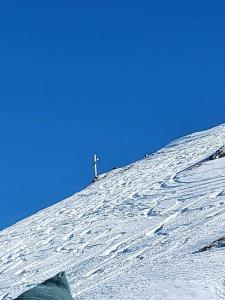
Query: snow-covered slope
[[132, 234]]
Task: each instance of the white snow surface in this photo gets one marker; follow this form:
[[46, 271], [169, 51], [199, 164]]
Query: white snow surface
[[133, 233]]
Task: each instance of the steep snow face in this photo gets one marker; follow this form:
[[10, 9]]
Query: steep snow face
[[134, 233]]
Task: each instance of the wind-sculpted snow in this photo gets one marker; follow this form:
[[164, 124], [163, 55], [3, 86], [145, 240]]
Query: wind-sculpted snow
[[132, 234]]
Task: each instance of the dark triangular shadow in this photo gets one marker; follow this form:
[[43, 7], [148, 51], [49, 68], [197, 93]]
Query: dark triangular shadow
[[55, 288]]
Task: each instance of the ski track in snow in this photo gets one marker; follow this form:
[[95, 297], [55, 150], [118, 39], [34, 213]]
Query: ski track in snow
[[131, 234]]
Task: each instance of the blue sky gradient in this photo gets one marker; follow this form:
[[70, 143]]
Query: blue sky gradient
[[120, 78]]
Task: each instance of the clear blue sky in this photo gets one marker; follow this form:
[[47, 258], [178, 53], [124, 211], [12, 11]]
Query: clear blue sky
[[120, 78]]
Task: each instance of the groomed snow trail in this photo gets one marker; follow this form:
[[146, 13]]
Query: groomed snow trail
[[133, 233]]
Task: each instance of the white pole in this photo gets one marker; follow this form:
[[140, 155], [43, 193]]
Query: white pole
[[95, 166]]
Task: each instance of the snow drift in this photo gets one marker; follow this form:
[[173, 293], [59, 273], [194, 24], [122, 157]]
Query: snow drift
[[136, 233]]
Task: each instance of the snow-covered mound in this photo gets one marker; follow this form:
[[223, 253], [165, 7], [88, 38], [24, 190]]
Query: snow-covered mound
[[151, 230]]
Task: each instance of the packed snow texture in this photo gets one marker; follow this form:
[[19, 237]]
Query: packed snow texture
[[134, 233]]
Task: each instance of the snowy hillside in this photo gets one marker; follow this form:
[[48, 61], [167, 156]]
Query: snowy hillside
[[134, 234]]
